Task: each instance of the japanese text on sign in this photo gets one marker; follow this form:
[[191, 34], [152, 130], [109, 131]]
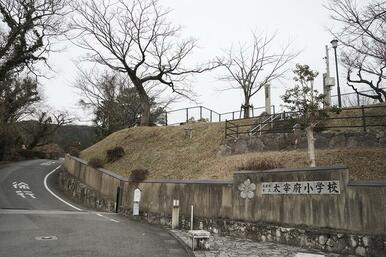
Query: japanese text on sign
[[301, 188]]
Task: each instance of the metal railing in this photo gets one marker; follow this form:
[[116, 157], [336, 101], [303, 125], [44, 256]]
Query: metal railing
[[355, 99], [202, 113], [211, 117], [268, 121], [356, 118]]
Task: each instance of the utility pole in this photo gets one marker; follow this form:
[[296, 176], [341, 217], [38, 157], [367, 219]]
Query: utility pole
[[334, 44], [327, 62]]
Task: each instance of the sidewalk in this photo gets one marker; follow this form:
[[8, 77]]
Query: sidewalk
[[230, 247]]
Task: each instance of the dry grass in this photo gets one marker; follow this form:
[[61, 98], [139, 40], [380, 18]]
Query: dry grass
[[364, 164], [164, 151], [167, 153]]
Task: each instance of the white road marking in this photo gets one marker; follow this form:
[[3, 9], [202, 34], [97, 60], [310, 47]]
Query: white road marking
[[23, 185], [40, 212], [308, 255], [47, 163], [20, 193], [23, 190], [113, 220], [49, 190]]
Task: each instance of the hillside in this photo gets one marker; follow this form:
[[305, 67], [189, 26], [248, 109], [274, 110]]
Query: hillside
[[167, 153]]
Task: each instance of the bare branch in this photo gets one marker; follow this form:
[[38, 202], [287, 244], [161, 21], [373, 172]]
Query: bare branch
[[364, 45], [136, 39], [251, 67]]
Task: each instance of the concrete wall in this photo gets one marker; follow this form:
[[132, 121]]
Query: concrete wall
[[348, 221], [101, 180], [357, 208]]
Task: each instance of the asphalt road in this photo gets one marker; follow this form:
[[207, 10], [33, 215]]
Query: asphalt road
[[33, 222]]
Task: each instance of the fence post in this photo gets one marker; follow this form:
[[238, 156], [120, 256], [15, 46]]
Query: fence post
[[358, 101], [166, 118], [117, 200], [233, 115], [226, 129], [219, 117], [187, 115], [210, 115], [363, 118], [273, 109], [200, 112]]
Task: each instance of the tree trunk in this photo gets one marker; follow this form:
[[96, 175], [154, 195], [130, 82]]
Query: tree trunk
[[145, 118], [246, 107], [311, 145], [145, 103]]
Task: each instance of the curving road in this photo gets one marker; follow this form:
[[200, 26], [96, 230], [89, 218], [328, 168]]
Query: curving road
[[33, 222]]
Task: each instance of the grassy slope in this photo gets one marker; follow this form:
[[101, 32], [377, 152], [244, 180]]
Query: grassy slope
[[166, 153]]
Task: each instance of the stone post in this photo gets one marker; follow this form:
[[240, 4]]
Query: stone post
[[267, 89]]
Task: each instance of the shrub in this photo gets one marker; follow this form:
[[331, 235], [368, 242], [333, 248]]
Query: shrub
[[138, 175], [31, 154], [73, 151], [95, 163], [260, 165], [52, 151], [114, 154]]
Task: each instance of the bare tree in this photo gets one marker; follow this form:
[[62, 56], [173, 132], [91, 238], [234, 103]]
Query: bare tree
[[252, 66], [26, 30], [135, 38], [362, 35], [114, 101]]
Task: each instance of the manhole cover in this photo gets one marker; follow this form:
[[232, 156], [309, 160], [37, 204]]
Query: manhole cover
[[46, 238]]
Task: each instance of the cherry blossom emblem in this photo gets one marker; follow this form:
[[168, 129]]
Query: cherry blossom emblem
[[247, 189]]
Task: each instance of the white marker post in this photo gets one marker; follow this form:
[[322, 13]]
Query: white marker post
[[175, 214], [136, 200], [191, 218]]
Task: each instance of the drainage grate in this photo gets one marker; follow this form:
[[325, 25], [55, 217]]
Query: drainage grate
[[46, 238]]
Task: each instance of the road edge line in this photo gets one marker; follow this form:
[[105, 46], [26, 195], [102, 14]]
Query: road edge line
[[55, 195]]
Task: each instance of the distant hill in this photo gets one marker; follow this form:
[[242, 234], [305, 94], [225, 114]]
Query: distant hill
[[82, 135], [68, 135]]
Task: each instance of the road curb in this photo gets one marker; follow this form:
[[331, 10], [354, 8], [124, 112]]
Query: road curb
[[182, 243]]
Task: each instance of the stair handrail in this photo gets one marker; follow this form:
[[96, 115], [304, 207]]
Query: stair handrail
[[264, 123]]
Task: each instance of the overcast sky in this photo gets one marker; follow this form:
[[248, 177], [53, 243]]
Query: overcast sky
[[217, 24]]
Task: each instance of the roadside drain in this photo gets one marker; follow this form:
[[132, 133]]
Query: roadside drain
[[46, 238]]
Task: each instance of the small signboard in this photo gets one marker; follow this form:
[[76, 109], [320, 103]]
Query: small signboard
[[301, 188], [135, 209], [137, 195]]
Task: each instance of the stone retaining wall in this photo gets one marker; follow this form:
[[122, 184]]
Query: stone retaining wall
[[84, 194], [327, 240], [290, 141]]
